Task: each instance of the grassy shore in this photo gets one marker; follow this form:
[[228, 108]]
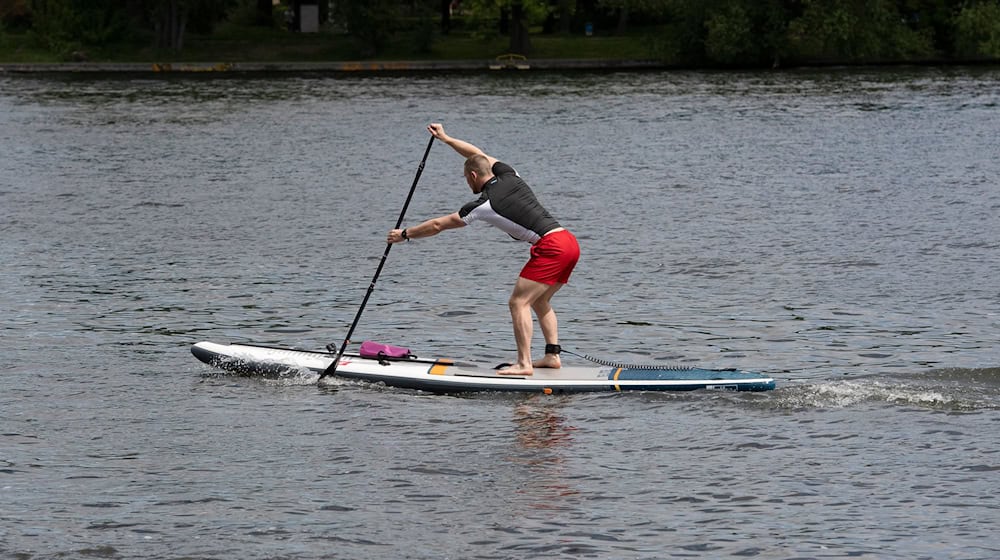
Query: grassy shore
[[236, 44], [240, 43]]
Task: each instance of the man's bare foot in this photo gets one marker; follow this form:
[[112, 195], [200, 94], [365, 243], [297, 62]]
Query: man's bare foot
[[516, 369], [548, 361]]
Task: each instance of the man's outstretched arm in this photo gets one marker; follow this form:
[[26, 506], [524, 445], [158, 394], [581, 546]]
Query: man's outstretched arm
[[431, 227]]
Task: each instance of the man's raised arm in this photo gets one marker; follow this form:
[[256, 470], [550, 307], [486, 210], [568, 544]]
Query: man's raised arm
[[464, 148]]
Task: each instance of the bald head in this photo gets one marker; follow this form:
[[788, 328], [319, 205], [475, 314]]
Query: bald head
[[478, 163]]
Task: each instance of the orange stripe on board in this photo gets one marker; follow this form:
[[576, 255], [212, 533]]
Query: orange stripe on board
[[440, 367], [615, 378]]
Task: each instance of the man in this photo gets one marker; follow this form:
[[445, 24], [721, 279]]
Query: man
[[505, 201]]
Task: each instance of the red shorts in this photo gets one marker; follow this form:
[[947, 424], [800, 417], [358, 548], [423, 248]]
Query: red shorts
[[552, 258]]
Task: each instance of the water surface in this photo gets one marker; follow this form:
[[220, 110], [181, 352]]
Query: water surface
[[836, 230]]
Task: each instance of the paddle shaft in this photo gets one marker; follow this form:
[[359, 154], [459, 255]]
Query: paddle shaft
[[371, 287]]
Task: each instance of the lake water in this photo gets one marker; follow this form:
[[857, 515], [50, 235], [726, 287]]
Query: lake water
[[837, 230]]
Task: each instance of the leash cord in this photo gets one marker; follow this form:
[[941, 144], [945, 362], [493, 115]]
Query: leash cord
[[599, 361]]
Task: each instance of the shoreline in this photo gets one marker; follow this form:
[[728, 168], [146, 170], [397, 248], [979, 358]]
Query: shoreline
[[516, 64], [500, 64]]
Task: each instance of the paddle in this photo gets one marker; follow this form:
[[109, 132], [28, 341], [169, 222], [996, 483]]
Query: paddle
[[371, 288]]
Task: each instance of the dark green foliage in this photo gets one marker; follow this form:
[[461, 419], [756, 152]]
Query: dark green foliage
[[740, 33], [66, 27], [69, 28], [856, 31], [977, 30], [424, 25], [769, 32], [15, 14], [371, 23]]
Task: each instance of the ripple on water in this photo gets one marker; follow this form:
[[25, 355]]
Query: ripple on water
[[803, 224]]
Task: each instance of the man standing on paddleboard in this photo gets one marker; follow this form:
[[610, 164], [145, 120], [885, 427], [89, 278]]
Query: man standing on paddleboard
[[507, 202]]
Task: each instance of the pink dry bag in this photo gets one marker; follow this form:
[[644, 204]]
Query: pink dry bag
[[379, 351]]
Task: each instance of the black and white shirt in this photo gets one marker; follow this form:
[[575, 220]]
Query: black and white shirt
[[508, 203]]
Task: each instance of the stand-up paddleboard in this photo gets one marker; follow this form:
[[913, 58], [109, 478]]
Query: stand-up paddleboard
[[444, 376]]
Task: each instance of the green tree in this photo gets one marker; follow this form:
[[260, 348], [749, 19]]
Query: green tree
[[371, 23], [54, 23], [933, 19], [730, 37], [510, 17], [683, 39], [66, 27], [564, 9], [855, 30], [747, 32], [625, 10], [169, 23], [171, 18], [421, 18], [15, 13], [977, 30], [520, 41]]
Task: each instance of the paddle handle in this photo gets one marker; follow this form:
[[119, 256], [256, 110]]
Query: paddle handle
[[332, 368], [413, 188]]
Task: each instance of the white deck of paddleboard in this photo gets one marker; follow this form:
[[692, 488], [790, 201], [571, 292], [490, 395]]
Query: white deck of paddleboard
[[441, 375]]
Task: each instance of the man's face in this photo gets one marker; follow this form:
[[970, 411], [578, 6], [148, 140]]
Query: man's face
[[472, 179]]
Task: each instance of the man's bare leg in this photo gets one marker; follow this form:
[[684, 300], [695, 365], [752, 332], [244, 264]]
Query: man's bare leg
[[550, 327], [526, 293]]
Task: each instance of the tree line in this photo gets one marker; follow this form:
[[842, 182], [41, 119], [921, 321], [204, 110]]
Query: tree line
[[748, 33]]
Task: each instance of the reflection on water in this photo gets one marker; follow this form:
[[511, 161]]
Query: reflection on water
[[543, 443]]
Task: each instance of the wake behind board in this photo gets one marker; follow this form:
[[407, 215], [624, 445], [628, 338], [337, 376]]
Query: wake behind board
[[444, 376]]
